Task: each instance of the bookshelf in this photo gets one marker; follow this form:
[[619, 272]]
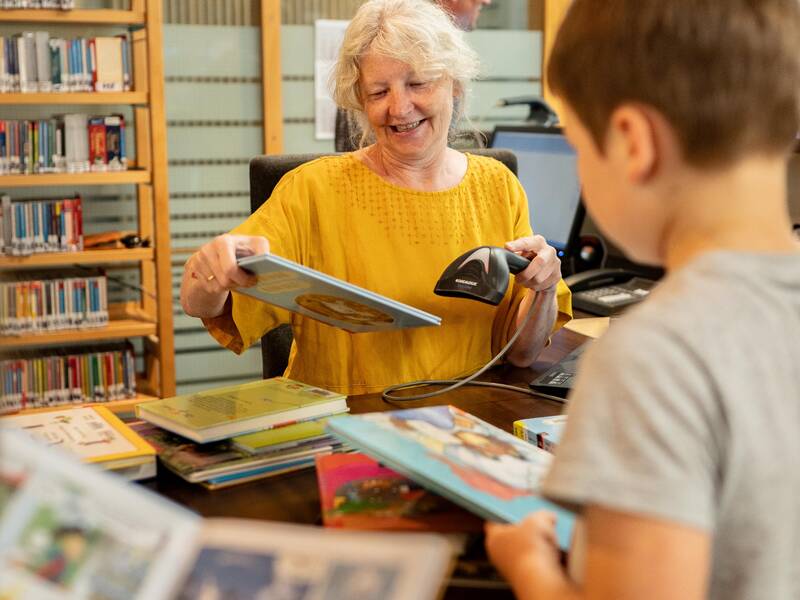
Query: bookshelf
[[150, 318]]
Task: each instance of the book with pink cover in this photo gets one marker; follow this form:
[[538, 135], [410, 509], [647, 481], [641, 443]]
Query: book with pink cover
[[357, 492]]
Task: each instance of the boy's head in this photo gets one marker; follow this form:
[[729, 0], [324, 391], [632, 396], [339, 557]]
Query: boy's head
[[701, 84]]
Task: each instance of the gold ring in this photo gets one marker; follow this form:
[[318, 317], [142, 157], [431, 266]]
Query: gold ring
[[210, 278]]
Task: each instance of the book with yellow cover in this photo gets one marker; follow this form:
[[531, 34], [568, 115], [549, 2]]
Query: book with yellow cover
[[281, 437], [92, 433], [222, 413]]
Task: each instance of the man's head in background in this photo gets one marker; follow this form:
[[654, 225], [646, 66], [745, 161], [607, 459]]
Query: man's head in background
[[465, 13]]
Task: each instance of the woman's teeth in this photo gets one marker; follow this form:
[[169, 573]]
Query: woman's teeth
[[406, 127]]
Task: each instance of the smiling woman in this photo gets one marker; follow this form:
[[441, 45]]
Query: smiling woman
[[390, 217]]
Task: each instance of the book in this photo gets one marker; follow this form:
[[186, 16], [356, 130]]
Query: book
[[93, 434], [68, 531], [222, 413], [357, 492], [333, 301], [457, 455], [544, 432], [281, 437]]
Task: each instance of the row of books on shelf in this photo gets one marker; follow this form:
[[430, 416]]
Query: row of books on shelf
[[53, 304], [74, 143], [53, 377], [37, 4], [40, 226], [32, 61]]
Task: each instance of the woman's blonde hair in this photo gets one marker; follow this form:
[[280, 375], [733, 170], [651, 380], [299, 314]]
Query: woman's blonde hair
[[416, 32]]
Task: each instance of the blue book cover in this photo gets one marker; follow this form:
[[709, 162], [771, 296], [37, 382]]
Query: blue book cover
[[324, 298], [544, 432], [455, 454]]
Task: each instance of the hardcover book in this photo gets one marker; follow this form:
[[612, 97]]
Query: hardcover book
[[327, 299], [222, 413], [455, 454], [357, 492], [68, 531], [544, 432]]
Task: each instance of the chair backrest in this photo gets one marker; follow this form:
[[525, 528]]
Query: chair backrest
[[265, 173]]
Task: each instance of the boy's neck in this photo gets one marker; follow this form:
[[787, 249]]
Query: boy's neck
[[741, 208]]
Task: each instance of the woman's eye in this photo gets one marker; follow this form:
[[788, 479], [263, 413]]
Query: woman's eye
[[417, 84], [377, 94]]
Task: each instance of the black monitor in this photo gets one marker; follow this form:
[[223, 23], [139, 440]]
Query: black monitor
[[547, 169]]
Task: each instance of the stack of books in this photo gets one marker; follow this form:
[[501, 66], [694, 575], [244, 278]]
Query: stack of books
[[232, 435]]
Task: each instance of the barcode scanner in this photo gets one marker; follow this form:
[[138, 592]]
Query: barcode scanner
[[481, 274]]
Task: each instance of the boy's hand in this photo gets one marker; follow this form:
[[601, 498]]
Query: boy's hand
[[544, 271], [518, 551]]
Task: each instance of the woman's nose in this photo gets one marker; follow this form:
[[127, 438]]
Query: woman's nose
[[399, 103]]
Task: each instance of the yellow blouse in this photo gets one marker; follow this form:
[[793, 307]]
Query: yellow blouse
[[337, 216]]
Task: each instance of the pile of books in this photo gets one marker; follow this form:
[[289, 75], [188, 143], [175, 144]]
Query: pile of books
[[32, 61], [74, 143], [53, 304], [38, 226], [241, 433], [50, 378]]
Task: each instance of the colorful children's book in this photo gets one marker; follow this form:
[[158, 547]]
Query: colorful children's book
[[319, 296], [71, 532], [95, 435], [222, 413], [455, 454], [357, 492], [544, 432], [281, 437]]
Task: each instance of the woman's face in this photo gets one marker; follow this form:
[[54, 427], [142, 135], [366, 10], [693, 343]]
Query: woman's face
[[410, 115]]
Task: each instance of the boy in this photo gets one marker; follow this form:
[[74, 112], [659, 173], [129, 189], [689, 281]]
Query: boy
[[683, 436]]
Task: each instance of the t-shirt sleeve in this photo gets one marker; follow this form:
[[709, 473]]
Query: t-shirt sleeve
[[284, 220], [640, 435]]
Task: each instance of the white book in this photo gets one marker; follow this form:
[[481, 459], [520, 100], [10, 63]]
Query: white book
[[43, 67], [109, 75], [77, 142], [28, 78]]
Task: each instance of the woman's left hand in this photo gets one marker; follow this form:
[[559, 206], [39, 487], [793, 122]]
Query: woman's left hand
[[544, 272]]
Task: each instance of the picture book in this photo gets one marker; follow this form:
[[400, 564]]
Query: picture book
[[71, 532], [266, 441], [357, 492], [327, 299], [94, 434], [222, 413], [544, 432], [455, 454]]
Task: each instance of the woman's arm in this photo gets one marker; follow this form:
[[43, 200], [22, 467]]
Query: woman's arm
[[541, 278], [211, 273]]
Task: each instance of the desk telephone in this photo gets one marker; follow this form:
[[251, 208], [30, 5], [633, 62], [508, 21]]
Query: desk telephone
[[606, 292]]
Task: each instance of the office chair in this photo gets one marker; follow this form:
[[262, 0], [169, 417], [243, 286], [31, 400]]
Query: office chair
[[265, 173]]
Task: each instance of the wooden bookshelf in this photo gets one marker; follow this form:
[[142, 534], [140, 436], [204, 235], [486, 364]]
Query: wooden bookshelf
[[87, 257], [115, 330], [150, 317], [48, 179], [77, 16], [115, 406], [76, 98]]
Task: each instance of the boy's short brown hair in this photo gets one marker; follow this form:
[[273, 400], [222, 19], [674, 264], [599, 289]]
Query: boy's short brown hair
[[724, 73]]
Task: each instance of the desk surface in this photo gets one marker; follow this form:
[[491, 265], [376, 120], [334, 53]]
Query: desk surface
[[294, 497]]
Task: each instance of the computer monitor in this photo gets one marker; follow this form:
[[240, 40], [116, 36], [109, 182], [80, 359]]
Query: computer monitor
[[547, 169]]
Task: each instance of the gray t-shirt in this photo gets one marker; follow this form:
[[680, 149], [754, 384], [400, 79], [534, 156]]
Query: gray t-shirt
[[688, 409]]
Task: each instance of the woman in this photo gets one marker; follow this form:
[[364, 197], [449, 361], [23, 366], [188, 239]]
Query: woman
[[390, 217]]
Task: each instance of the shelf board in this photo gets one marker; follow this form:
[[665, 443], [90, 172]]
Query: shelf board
[[108, 178], [115, 406], [74, 98], [102, 16], [87, 257], [120, 329]]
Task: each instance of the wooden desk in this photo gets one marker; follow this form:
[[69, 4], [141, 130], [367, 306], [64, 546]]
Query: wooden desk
[[294, 497]]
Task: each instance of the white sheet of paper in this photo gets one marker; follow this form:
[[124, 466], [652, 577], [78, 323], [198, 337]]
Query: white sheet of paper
[[328, 36]]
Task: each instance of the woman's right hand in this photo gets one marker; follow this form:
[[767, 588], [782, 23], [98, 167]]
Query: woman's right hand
[[211, 272]]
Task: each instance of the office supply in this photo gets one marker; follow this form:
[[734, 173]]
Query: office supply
[[547, 170], [607, 291], [455, 454], [357, 492], [327, 299], [543, 432], [93, 434], [557, 380], [221, 413], [68, 531]]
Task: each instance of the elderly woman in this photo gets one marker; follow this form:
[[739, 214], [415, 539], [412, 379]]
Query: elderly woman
[[390, 217]]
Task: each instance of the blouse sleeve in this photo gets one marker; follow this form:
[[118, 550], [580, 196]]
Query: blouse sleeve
[[284, 220]]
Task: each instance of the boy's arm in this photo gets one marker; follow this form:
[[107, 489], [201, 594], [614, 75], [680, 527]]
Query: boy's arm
[[627, 557]]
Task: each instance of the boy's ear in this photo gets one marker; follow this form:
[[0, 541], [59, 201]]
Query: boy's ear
[[633, 139]]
